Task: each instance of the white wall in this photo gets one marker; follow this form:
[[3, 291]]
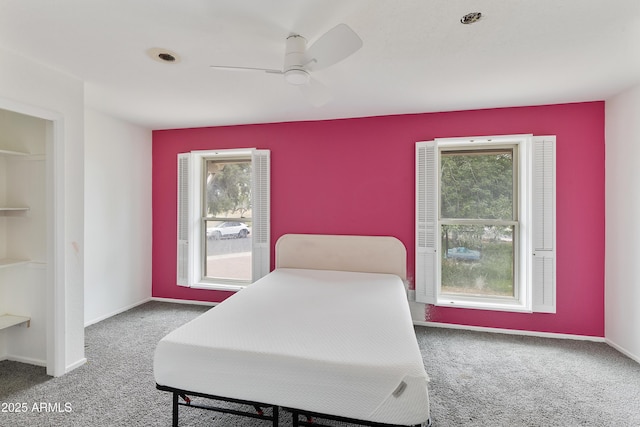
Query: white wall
[[32, 87], [622, 259], [117, 216]]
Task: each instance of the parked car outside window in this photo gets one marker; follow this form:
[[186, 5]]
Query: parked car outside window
[[463, 253], [228, 229]]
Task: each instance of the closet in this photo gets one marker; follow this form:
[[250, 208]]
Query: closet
[[23, 238]]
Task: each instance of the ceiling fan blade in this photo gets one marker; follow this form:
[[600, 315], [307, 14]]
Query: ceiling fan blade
[[332, 47], [316, 93], [234, 68]]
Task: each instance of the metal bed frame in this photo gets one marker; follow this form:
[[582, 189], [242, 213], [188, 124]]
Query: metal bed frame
[[296, 413], [259, 411], [183, 394]]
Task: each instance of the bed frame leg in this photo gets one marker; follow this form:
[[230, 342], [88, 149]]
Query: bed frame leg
[[175, 409], [275, 416]]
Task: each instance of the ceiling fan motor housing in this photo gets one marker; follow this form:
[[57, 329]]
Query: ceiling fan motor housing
[[294, 60]]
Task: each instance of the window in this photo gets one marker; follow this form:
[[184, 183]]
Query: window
[[478, 220], [223, 218], [485, 232]]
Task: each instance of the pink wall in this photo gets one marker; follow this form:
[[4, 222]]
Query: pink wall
[[356, 176]]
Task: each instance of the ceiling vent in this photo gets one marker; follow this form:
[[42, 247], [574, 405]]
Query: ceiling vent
[[470, 18], [163, 55]]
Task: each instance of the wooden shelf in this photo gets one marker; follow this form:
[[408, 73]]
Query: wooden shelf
[[9, 262], [9, 320]]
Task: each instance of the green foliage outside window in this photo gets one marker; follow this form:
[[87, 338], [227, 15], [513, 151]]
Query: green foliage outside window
[[477, 187], [229, 189]]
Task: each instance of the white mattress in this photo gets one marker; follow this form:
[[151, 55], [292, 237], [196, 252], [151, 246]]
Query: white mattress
[[339, 343]]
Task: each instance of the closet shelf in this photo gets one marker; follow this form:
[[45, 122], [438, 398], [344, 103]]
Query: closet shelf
[[13, 153], [13, 209], [9, 262], [9, 320]]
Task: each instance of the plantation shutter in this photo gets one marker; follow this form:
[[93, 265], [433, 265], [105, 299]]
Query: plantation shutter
[[544, 224], [426, 222], [260, 203], [184, 229]]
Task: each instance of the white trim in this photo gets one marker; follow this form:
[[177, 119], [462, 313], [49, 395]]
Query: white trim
[[261, 213], [118, 311], [29, 110], [56, 233], [212, 286], [27, 360], [184, 301], [426, 227], [76, 364], [144, 301], [494, 304], [484, 140], [194, 246], [623, 350], [184, 230], [510, 331], [522, 280], [529, 277], [224, 153], [543, 223]]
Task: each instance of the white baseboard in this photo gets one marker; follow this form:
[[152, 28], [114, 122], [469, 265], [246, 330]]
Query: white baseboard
[[39, 362], [183, 301], [510, 331], [623, 350], [27, 360], [118, 311], [75, 365], [129, 307]]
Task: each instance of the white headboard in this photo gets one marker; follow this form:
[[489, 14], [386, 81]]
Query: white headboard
[[370, 254]]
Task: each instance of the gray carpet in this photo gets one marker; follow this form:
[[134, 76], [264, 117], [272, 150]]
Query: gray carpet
[[476, 379]]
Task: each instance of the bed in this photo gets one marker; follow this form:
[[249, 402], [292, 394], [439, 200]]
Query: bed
[[327, 334]]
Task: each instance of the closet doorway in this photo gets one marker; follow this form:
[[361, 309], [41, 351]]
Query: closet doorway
[[32, 292]]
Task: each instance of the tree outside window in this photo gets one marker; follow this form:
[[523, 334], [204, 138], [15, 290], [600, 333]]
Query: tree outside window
[[478, 220], [227, 220]]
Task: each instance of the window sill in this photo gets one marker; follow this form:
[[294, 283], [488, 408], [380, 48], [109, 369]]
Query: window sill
[[218, 286], [515, 306]]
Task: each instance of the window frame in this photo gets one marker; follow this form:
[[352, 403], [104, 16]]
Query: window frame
[[202, 235], [191, 268], [428, 227]]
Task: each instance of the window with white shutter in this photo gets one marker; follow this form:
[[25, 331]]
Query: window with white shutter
[[544, 224], [223, 218], [183, 219], [426, 222], [485, 223]]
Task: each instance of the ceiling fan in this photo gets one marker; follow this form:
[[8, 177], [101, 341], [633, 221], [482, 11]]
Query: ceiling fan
[[300, 62]]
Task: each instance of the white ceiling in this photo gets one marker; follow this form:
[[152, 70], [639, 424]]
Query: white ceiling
[[416, 57]]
